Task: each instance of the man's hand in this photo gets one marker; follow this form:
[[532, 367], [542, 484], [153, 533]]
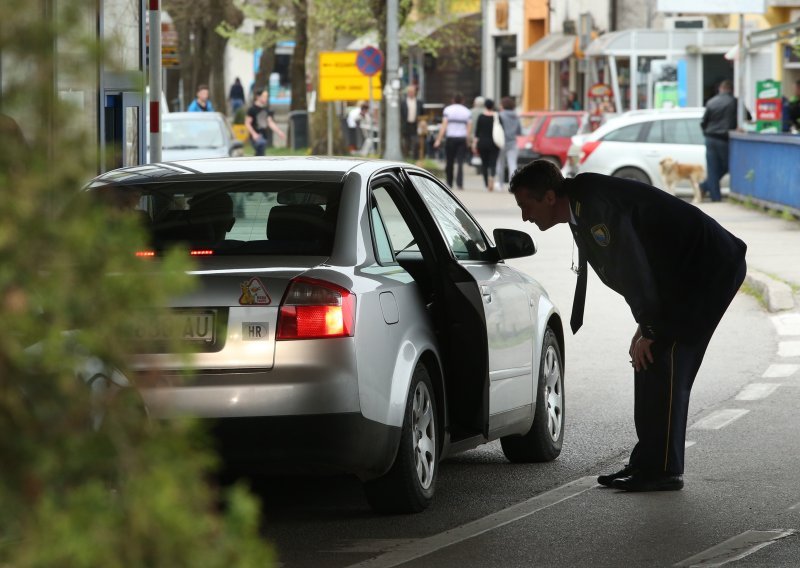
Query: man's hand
[[640, 351]]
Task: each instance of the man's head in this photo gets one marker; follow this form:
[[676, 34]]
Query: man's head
[[411, 92], [202, 93], [726, 86], [507, 103], [538, 188], [458, 98]]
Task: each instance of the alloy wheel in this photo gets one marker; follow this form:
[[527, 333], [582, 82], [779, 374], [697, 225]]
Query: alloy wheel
[[424, 430]]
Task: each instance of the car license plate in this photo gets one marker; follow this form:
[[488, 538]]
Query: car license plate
[[193, 326]]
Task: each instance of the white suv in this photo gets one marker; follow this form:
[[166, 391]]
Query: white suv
[[632, 145]]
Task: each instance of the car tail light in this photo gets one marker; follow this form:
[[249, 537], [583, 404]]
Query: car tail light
[[315, 309], [588, 148]]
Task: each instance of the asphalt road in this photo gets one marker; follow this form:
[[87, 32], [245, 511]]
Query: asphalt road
[[741, 475]]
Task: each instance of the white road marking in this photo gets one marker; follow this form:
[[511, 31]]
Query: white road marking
[[425, 546], [757, 391], [688, 444], [736, 548], [780, 371], [789, 349], [787, 324], [719, 419]]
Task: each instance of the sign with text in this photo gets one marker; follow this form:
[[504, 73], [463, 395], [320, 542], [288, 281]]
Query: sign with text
[[341, 80], [713, 6]]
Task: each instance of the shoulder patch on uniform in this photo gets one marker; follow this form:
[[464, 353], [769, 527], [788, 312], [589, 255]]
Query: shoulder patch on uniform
[[577, 208], [601, 235]]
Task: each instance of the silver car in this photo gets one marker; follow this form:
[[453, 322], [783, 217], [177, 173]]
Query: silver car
[[193, 135], [350, 315]]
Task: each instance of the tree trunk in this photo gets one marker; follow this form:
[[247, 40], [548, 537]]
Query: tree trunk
[[321, 39], [298, 72]]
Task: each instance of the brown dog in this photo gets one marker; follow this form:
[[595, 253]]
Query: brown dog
[[672, 172]]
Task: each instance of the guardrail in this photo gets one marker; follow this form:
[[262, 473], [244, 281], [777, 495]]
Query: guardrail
[[766, 169]]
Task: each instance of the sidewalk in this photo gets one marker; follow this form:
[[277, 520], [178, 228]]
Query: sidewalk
[[773, 243]]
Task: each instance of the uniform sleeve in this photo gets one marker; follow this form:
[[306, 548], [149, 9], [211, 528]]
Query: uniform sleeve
[[635, 275]]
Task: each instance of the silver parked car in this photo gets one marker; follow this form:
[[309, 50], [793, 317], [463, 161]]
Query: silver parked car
[[350, 315], [193, 135]]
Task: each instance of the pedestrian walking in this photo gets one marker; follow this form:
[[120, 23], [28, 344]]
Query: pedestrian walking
[[355, 117], [411, 110], [236, 95], [456, 123], [718, 119], [483, 143], [260, 123], [677, 269], [509, 153], [201, 103]]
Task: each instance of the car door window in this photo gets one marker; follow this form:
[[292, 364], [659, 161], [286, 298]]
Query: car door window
[[694, 131], [391, 221], [678, 131], [383, 244], [628, 133], [462, 235], [655, 134]]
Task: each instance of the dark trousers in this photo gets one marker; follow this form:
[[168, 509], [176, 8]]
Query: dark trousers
[[716, 166], [661, 393], [410, 141], [488, 155], [455, 150]]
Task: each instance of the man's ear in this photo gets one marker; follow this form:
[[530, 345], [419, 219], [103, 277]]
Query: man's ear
[[550, 197]]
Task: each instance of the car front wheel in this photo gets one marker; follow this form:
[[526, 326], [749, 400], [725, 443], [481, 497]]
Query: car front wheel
[[543, 441], [409, 485]]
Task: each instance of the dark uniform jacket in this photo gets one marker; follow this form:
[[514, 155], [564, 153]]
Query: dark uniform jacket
[[676, 267]]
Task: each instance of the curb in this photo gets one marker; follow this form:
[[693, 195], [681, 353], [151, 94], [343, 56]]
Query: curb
[[777, 295]]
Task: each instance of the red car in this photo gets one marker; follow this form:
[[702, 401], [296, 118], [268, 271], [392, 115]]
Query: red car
[[548, 135]]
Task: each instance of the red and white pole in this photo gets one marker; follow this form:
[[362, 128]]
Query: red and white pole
[[155, 81]]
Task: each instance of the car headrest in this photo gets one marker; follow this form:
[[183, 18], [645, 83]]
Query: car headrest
[[301, 224]]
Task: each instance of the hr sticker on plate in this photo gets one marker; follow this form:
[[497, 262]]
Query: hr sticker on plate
[[255, 331]]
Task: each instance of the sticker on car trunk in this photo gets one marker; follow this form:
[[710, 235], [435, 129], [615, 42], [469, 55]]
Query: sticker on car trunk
[[254, 293], [255, 331]]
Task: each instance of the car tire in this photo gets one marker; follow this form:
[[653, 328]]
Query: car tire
[[409, 485], [543, 441], [633, 173]]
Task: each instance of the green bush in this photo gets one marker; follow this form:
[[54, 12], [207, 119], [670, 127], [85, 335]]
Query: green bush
[[77, 490]]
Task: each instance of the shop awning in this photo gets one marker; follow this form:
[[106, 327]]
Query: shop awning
[[554, 47]]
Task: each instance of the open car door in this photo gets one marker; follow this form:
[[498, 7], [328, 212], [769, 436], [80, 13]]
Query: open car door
[[453, 299]]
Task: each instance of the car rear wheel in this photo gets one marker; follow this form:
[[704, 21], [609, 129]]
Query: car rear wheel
[[409, 485], [632, 173], [543, 441]]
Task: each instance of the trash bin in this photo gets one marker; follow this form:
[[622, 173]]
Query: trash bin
[[298, 129]]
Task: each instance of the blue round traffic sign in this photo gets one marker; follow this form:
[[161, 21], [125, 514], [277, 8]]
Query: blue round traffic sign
[[369, 60]]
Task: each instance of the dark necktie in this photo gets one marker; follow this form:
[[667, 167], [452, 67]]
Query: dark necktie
[[576, 320]]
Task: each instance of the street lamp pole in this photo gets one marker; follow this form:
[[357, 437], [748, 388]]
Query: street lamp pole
[[391, 92]]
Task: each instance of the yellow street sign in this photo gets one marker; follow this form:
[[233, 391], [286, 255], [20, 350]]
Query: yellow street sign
[[340, 79]]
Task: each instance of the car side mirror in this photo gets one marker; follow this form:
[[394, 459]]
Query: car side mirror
[[513, 244]]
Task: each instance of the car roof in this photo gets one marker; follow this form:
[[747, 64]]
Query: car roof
[[645, 115], [192, 116], [311, 168]]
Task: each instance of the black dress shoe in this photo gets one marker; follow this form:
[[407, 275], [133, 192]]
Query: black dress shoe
[[649, 482], [608, 478]]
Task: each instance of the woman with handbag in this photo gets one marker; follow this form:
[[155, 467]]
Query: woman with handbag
[[488, 128]]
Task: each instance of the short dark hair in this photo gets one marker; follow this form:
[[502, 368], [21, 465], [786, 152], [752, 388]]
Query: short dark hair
[[458, 98], [201, 87], [726, 85], [507, 103], [258, 91], [537, 177], [489, 104]]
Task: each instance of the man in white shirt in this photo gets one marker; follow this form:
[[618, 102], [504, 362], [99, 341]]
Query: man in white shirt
[[456, 123]]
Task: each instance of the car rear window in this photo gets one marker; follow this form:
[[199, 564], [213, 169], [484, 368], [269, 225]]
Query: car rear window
[[236, 217], [188, 134], [562, 127]]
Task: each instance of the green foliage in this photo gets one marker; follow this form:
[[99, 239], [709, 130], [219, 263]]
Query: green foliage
[[85, 478], [274, 18]]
